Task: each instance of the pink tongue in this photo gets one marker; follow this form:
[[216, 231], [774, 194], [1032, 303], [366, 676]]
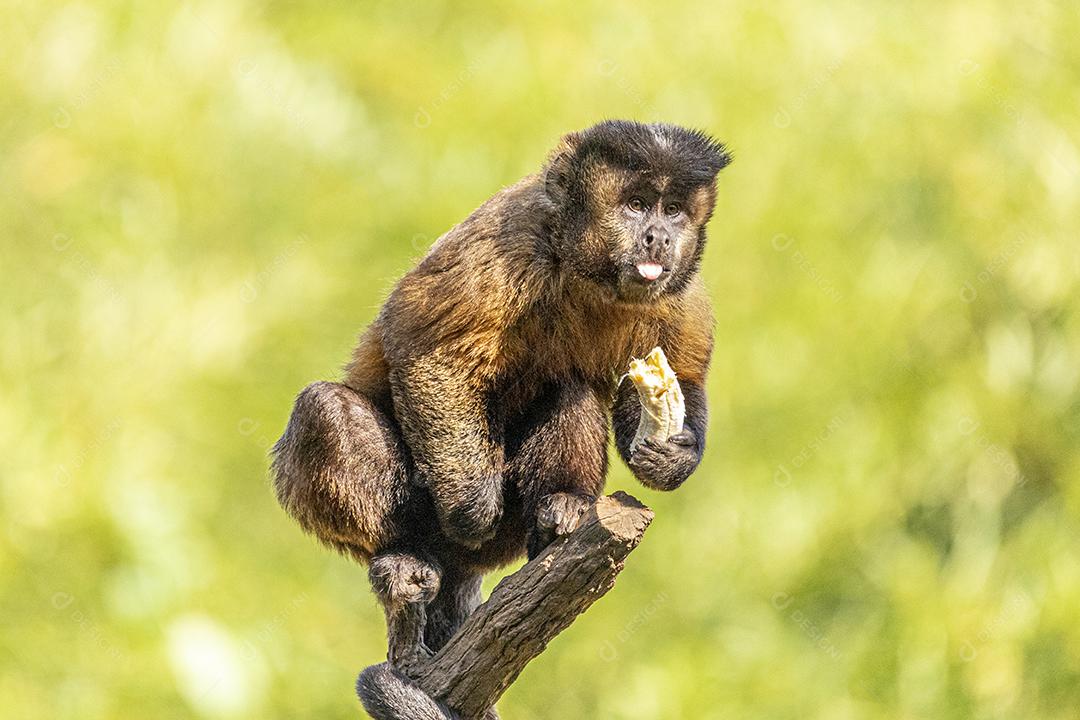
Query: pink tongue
[[650, 271]]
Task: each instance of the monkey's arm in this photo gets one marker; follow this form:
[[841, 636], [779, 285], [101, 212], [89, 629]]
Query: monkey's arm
[[443, 417], [442, 335], [661, 465], [687, 341]]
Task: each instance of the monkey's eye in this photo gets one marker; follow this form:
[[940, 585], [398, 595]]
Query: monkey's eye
[[673, 209], [636, 204]]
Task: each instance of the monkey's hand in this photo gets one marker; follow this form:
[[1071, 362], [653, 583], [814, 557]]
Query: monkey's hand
[[666, 465], [557, 514], [470, 515]]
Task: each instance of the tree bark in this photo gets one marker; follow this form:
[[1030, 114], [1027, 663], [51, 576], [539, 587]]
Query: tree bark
[[529, 608]]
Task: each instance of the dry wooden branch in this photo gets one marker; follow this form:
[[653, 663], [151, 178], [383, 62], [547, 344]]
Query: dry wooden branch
[[529, 608]]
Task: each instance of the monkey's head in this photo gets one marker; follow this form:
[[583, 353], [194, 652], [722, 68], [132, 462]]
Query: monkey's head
[[631, 203]]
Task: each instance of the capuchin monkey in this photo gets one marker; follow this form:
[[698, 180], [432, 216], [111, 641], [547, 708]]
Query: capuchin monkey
[[472, 423]]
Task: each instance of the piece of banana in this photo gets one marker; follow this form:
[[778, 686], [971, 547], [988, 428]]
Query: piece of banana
[[662, 406]]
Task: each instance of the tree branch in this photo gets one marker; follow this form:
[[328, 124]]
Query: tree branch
[[529, 608]]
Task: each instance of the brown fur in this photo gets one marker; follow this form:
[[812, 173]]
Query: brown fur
[[474, 417]]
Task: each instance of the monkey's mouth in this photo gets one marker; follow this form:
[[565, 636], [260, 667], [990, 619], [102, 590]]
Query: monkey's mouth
[[641, 281], [649, 271]]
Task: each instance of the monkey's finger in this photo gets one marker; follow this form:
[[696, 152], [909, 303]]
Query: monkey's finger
[[652, 447], [546, 518], [684, 438], [646, 465]]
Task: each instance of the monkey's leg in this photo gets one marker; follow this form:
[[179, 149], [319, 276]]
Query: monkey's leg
[[557, 457], [385, 691], [458, 597], [341, 470], [405, 584]]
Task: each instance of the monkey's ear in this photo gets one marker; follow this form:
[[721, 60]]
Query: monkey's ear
[[559, 168]]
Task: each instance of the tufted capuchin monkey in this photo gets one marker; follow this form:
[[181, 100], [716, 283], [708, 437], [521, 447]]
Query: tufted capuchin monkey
[[472, 423]]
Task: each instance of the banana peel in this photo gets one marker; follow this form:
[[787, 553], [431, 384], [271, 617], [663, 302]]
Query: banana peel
[[663, 408]]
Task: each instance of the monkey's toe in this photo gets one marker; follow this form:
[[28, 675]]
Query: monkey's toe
[[421, 585], [561, 513], [402, 578]]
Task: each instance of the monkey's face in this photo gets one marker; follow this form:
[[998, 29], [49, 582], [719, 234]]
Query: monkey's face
[[654, 235], [635, 200]]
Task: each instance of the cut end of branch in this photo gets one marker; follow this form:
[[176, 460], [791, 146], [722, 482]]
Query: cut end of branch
[[623, 515]]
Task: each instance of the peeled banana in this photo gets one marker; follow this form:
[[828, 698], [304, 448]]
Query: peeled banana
[[662, 406]]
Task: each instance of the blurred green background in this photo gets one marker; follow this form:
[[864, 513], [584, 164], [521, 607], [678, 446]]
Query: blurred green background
[[203, 204]]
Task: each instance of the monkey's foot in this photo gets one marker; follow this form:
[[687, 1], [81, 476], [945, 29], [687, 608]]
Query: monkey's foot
[[404, 579], [557, 514], [561, 512]]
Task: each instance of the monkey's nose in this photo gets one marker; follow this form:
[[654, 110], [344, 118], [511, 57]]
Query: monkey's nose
[[656, 237]]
